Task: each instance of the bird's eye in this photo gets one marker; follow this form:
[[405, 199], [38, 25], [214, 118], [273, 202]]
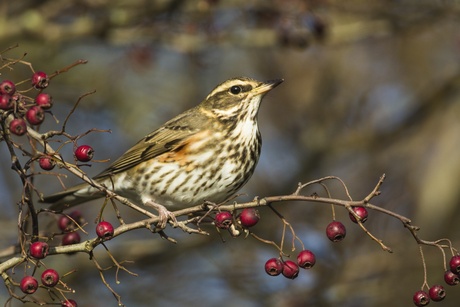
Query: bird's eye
[[235, 90]]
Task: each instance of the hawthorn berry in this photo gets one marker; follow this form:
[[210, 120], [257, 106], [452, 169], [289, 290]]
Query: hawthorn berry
[[290, 269], [451, 278], [84, 153], [274, 266], [44, 100], [361, 212], [71, 238], [35, 115], [454, 264], [7, 87], [223, 219], [50, 278], [38, 250], [437, 293], [28, 284], [71, 221], [40, 80], [69, 303], [65, 223], [46, 163], [104, 230], [421, 298], [249, 217], [77, 217], [306, 259], [18, 126], [336, 231], [6, 102]]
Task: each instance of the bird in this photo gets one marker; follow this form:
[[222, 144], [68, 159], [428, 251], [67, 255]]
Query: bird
[[205, 154]]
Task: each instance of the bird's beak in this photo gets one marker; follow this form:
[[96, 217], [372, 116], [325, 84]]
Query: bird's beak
[[267, 86]]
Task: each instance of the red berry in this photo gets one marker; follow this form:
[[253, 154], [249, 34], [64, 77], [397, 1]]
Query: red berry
[[306, 259], [84, 153], [6, 102], [290, 269], [451, 278], [71, 238], [69, 303], [104, 230], [223, 220], [46, 163], [77, 216], [50, 278], [35, 115], [18, 126], [274, 267], [336, 231], [7, 87], [361, 212], [454, 264], [39, 250], [44, 100], [437, 293], [421, 298], [65, 223], [249, 217], [40, 80], [28, 285]]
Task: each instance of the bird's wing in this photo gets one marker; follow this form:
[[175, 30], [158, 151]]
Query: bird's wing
[[156, 143], [169, 138], [165, 139]]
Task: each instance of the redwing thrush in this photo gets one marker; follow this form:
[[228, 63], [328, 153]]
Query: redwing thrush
[[204, 154]]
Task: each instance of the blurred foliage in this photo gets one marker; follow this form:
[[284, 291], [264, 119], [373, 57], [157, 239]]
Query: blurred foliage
[[371, 87]]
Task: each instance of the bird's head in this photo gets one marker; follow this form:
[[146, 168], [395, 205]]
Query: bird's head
[[237, 98]]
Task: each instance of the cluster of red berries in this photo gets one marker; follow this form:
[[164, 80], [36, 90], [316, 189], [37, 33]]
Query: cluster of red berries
[[25, 108], [49, 277], [83, 153], [27, 111], [437, 293], [336, 231], [274, 266], [39, 250], [247, 218], [306, 259], [32, 111], [66, 223], [69, 224]]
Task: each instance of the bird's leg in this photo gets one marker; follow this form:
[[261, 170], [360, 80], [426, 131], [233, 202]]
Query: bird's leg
[[163, 214]]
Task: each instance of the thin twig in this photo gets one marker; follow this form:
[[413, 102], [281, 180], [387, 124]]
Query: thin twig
[[104, 281]]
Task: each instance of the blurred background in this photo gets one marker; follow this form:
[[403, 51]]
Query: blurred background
[[371, 87]]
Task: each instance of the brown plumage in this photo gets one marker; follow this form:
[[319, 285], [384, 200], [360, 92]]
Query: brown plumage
[[204, 154]]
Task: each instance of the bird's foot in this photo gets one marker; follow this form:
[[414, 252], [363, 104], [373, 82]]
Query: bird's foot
[[164, 214]]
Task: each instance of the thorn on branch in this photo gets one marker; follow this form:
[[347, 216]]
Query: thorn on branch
[[67, 68], [375, 191]]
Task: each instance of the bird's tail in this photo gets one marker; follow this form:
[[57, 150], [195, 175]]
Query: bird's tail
[[72, 197]]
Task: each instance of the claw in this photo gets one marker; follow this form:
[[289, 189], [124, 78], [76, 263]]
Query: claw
[[164, 214]]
